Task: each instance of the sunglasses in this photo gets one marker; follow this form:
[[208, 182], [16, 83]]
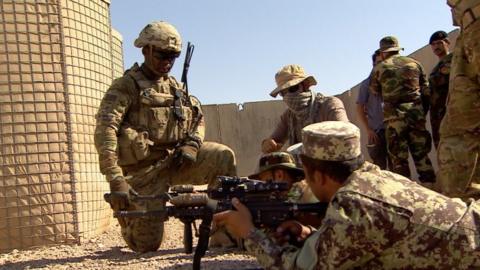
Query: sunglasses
[[165, 55], [292, 89]]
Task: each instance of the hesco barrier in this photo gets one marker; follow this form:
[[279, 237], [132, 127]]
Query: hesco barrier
[[57, 58]]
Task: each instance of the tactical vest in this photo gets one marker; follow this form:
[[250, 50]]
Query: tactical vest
[[159, 118]]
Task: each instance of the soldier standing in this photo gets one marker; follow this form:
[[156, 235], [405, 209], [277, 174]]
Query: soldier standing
[[401, 81], [438, 82], [149, 135], [304, 107], [370, 114], [459, 147], [375, 219]]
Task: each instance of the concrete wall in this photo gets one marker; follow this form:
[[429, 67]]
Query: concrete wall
[[243, 127]]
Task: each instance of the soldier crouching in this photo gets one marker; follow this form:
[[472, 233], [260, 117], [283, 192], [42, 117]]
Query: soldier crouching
[[149, 136]]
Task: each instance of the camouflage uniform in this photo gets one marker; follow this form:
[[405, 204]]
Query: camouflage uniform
[[459, 148], [401, 80], [299, 192], [437, 96], [377, 219], [137, 134]]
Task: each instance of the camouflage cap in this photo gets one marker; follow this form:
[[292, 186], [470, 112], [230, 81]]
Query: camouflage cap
[[160, 34], [389, 44], [278, 160], [331, 141], [439, 35], [289, 76]]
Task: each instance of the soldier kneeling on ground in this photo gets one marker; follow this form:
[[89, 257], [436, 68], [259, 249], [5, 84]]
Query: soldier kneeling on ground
[[149, 136]]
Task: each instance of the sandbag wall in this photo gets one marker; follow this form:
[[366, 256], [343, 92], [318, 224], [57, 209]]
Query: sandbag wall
[[57, 58]]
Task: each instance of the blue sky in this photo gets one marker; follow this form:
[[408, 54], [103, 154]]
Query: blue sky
[[240, 45]]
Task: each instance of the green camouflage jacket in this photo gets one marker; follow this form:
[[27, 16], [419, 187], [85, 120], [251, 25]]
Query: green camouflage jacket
[[438, 81], [401, 81]]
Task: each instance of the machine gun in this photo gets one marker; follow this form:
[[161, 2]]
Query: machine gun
[[265, 200]]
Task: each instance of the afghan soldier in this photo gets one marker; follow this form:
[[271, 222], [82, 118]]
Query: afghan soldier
[[149, 135], [277, 167], [375, 219], [401, 81], [281, 167], [438, 82], [304, 107], [459, 148]]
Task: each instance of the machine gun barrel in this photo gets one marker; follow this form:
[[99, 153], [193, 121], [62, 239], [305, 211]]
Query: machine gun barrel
[[265, 200]]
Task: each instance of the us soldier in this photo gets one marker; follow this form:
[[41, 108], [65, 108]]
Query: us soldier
[[401, 81], [459, 147], [149, 135], [438, 81], [375, 219], [304, 107]]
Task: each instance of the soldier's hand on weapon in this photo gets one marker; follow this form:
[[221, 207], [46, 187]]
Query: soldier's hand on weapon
[[292, 230], [239, 222], [270, 145], [119, 194], [185, 155]]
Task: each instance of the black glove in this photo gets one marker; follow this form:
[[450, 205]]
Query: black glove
[[119, 194], [186, 155]]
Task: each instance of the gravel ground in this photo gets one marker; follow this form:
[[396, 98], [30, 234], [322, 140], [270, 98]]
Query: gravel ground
[[109, 251]]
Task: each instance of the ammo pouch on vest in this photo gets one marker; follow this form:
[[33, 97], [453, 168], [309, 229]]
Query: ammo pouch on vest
[[157, 114], [133, 146]]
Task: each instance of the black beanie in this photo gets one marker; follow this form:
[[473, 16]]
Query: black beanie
[[439, 35]]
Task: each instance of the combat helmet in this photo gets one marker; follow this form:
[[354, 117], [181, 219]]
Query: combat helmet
[[161, 35]]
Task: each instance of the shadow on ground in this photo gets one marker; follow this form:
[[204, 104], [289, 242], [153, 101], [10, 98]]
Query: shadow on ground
[[118, 256]]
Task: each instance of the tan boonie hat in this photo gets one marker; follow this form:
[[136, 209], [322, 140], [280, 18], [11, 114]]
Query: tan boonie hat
[[278, 160], [331, 141], [160, 34], [289, 76], [389, 44]]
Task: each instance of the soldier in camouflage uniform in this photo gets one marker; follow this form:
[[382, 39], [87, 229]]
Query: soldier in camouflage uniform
[[375, 219], [149, 135], [304, 107], [459, 148], [278, 167], [400, 80], [436, 97], [281, 167]]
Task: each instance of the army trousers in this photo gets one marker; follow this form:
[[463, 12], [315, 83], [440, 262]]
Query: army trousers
[[409, 133], [459, 147], [146, 233]]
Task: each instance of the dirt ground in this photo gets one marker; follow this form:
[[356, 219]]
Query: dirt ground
[[109, 251]]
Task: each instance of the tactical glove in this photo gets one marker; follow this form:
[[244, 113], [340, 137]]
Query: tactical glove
[[186, 155], [119, 194]]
